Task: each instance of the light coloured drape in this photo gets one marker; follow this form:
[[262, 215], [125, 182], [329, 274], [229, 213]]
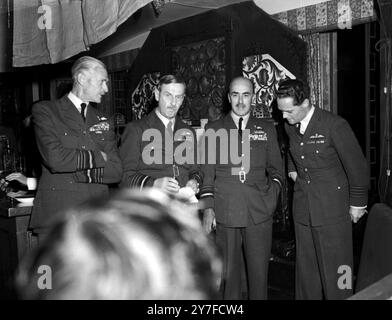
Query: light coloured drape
[[49, 31]]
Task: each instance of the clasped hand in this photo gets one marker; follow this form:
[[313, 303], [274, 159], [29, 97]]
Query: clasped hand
[[356, 213]]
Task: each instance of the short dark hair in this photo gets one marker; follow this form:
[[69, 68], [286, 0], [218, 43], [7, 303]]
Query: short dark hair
[[133, 245], [293, 88], [170, 78]]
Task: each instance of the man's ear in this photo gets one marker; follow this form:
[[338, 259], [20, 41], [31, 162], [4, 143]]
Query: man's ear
[[156, 94], [305, 103], [81, 78], [229, 97]]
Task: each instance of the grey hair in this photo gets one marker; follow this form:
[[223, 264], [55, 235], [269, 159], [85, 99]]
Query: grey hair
[[85, 63]]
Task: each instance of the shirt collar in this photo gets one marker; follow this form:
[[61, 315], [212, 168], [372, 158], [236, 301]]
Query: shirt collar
[[76, 101], [236, 119], [164, 119], [305, 121]]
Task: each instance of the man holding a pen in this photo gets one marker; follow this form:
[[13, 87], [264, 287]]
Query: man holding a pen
[[160, 150]]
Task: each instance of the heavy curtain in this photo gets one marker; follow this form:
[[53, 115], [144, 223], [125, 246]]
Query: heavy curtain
[[385, 47], [320, 63], [49, 31]]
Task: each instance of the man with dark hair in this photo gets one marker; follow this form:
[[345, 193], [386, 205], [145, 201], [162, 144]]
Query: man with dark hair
[[77, 145], [331, 185], [149, 146], [240, 199]]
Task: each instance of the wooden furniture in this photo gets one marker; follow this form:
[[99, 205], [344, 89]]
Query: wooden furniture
[[381, 290], [15, 241], [376, 256]]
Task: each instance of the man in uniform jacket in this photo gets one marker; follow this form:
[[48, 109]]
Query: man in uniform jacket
[[331, 185], [160, 150], [240, 197], [77, 145]]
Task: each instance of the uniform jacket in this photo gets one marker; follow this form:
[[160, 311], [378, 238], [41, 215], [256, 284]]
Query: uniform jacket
[[235, 202], [332, 171], [73, 168], [145, 161]]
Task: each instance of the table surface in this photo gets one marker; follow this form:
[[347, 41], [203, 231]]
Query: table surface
[[10, 208]]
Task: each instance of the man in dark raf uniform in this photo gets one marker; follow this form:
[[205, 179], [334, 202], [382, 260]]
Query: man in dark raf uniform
[[160, 150], [331, 185], [240, 197], [77, 145]]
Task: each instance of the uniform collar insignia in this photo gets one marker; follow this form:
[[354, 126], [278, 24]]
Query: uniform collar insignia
[[316, 136]]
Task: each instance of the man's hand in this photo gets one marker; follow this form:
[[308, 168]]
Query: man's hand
[[167, 184], [17, 176], [16, 194], [194, 185], [293, 175], [209, 221], [13, 176], [356, 213], [104, 155]]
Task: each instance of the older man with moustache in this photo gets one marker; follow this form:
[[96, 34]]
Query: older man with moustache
[[240, 201], [77, 145]]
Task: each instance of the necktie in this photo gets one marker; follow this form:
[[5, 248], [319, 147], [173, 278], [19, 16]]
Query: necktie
[[240, 126], [169, 129], [83, 108], [298, 128]]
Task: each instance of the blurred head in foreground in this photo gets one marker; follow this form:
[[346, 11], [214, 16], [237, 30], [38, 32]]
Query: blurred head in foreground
[[134, 245]]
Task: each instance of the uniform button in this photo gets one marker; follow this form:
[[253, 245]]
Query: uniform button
[[302, 157], [308, 181], [242, 141], [243, 155], [84, 132], [306, 169], [52, 188], [301, 144], [317, 151], [83, 147], [65, 133], [339, 187]]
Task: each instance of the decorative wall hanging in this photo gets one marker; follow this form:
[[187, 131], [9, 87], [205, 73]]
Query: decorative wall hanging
[[265, 73], [203, 66], [333, 14], [143, 100]]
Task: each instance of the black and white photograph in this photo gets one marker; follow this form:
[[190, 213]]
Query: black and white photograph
[[195, 155]]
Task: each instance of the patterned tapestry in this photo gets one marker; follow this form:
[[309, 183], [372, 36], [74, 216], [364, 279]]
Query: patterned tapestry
[[341, 14], [202, 65], [265, 73], [142, 100]]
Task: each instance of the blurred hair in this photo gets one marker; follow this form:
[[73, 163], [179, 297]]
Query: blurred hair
[[134, 245], [169, 78], [84, 64], [293, 88]]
